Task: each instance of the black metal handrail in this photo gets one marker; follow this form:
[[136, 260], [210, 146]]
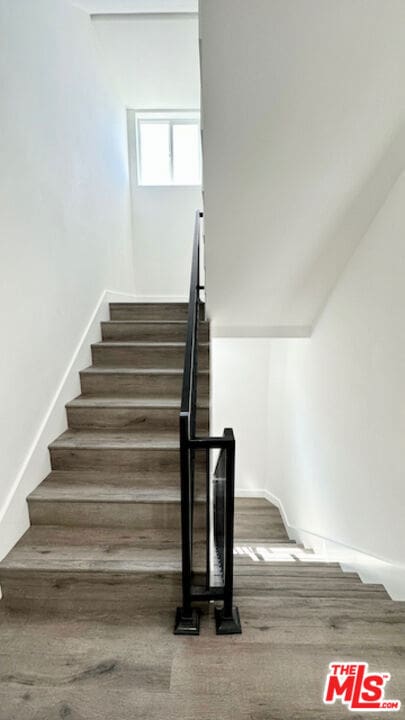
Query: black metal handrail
[[219, 491]]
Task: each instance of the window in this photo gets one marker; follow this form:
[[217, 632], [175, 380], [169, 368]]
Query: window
[[168, 148]]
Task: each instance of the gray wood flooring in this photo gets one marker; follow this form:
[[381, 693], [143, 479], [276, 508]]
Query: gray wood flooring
[[125, 663]]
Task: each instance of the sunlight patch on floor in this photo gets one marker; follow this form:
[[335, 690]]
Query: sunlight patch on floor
[[278, 553]]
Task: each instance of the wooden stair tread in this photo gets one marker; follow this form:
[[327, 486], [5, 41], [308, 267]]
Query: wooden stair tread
[[159, 330], [95, 550], [257, 503], [100, 536], [306, 569], [105, 401], [99, 439], [144, 343], [149, 322], [149, 305], [152, 310], [308, 582], [93, 369], [62, 489], [99, 478], [240, 540], [102, 551]]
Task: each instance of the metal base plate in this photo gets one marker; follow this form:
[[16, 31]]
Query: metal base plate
[[227, 625], [187, 625]]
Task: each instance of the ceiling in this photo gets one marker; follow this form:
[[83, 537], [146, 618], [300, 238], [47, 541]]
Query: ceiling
[[96, 7], [304, 137]]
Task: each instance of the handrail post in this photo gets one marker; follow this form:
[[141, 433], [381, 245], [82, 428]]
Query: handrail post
[[187, 618], [227, 618]]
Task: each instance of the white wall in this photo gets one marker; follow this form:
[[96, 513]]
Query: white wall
[[64, 216], [336, 447], [320, 421], [303, 107], [239, 399], [304, 150], [155, 65]]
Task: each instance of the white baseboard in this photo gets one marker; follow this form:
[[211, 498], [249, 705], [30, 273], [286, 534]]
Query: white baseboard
[[246, 492], [370, 568], [14, 520]]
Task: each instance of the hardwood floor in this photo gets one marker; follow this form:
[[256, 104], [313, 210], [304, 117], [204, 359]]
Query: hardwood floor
[[125, 663]]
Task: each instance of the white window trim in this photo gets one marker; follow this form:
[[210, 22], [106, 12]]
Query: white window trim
[[173, 117]]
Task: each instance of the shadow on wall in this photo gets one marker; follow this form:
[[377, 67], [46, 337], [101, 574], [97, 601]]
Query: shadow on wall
[[336, 453], [346, 234]]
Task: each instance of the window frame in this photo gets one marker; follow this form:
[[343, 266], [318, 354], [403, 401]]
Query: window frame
[[171, 118]]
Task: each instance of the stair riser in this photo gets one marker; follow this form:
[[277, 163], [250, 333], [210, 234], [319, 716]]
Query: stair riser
[[125, 460], [268, 533], [145, 332], [140, 420], [145, 386], [140, 516], [145, 357], [316, 585], [265, 528], [344, 594], [65, 592], [274, 527], [289, 570], [148, 311]]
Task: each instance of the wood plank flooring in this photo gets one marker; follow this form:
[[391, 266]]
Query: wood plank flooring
[[96, 663], [124, 663]]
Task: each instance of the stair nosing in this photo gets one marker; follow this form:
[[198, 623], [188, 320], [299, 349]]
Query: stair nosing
[[123, 402], [145, 343], [152, 322], [76, 499], [106, 446], [8, 569], [148, 303], [94, 369], [103, 501]]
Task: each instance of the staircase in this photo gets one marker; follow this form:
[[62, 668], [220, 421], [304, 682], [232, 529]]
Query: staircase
[[105, 523], [270, 568]]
